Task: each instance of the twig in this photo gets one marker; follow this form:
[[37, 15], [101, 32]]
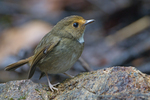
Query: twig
[[85, 64]]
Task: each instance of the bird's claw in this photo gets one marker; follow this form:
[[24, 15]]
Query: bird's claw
[[52, 88]]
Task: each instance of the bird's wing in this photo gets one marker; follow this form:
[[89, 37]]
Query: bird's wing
[[42, 74], [41, 54]]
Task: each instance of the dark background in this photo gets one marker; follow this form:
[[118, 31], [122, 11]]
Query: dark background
[[120, 36]]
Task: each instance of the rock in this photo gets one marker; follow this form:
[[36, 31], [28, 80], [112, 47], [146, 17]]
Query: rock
[[105, 84], [22, 89]]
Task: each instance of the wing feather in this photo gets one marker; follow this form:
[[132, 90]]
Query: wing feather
[[41, 54]]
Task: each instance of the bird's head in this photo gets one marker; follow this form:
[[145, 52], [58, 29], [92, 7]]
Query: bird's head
[[72, 27]]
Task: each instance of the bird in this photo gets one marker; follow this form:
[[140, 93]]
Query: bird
[[58, 50]]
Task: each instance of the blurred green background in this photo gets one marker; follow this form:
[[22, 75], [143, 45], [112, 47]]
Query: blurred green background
[[120, 36]]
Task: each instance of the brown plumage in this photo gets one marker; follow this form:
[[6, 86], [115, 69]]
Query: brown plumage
[[58, 50]]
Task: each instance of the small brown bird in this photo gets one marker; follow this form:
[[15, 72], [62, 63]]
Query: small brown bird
[[58, 50]]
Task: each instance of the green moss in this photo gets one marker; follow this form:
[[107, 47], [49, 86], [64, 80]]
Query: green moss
[[22, 97], [45, 85], [37, 90], [49, 93], [11, 99], [19, 88]]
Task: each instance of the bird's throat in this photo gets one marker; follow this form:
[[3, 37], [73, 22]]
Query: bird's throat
[[81, 39]]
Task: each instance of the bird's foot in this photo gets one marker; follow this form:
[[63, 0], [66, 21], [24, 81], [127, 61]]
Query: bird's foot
[[56, 84], [52, 88]]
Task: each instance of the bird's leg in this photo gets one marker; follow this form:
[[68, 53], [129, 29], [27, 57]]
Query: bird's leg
[[84, 64], [50, 85], [69, 75]]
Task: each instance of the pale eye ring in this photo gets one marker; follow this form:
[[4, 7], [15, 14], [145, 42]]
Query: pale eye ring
[[75, 25]]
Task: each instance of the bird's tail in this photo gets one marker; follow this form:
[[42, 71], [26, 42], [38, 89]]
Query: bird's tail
[[17, 64]]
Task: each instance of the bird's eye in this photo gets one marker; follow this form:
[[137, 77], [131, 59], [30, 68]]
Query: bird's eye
[[75, 25]]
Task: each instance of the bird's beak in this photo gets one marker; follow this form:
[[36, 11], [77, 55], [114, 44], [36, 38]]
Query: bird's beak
[[89, 21]]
